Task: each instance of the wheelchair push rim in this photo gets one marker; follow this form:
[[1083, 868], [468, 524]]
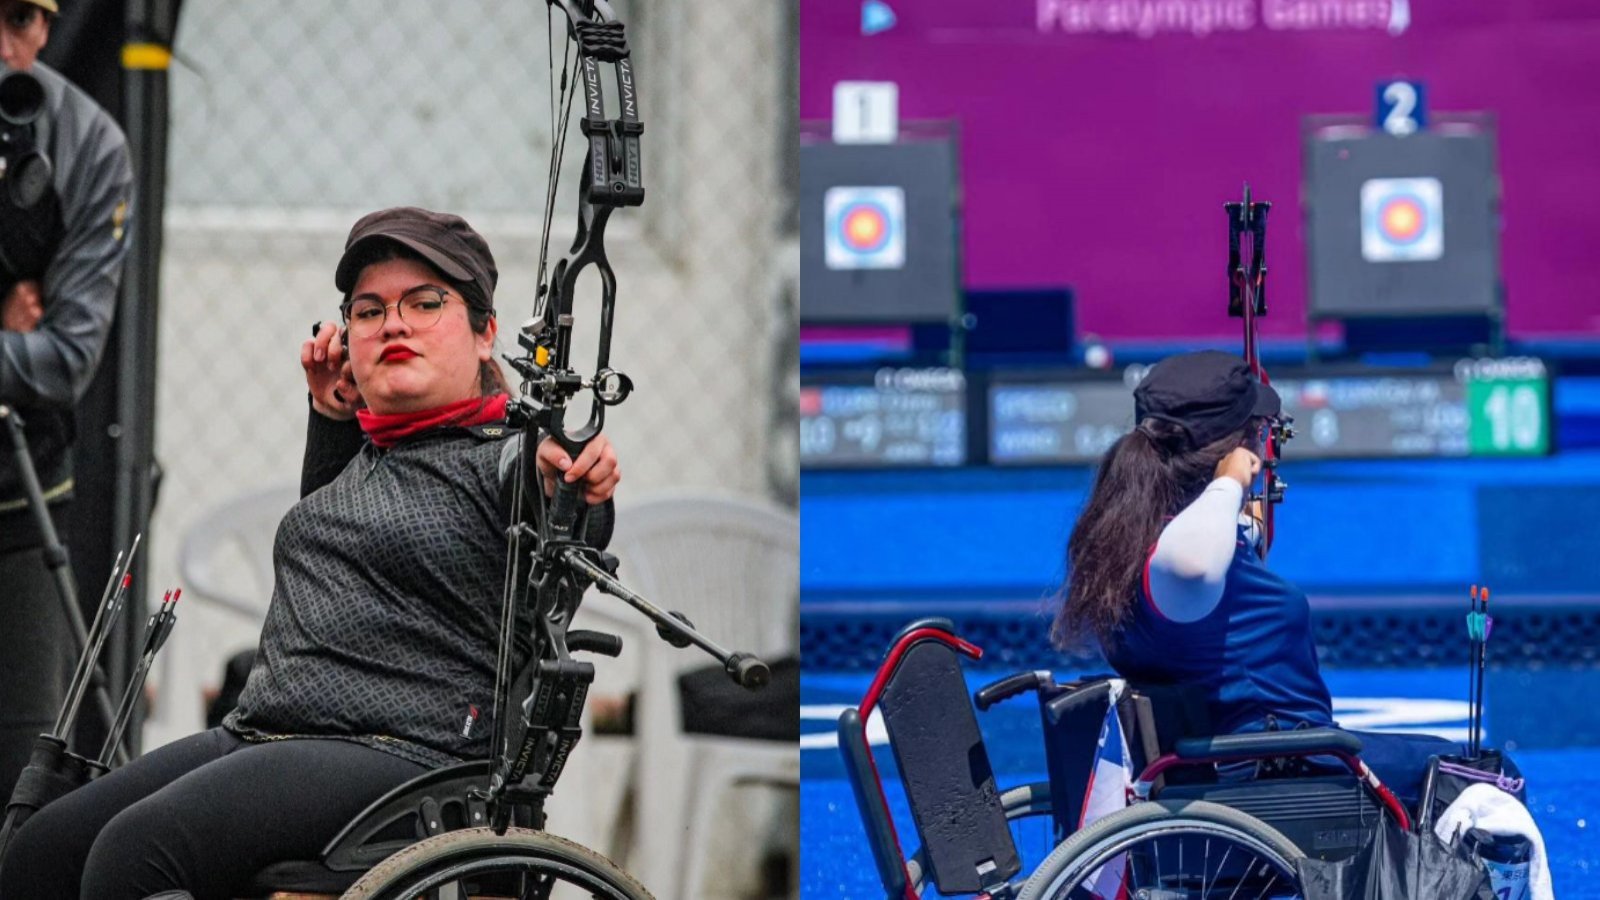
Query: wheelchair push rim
[[559, 869], [1192, 849]]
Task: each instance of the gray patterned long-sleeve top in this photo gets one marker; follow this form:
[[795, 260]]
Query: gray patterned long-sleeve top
[[386, 609]]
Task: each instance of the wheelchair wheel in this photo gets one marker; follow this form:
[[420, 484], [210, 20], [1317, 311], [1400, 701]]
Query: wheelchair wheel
[[1172, 850], [528, 865]]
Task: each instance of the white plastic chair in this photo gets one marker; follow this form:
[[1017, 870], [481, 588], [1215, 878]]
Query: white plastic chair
[[225, 567], [226, 556], [731, 566]]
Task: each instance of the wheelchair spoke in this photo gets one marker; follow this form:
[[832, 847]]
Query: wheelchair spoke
[[1222, 865], [1241, 881], [1264, 890]]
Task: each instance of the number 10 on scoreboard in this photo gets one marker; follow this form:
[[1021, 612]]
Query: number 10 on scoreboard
[[1509, 416]]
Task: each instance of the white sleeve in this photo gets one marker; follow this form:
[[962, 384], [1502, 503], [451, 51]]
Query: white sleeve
[[1190, 564]]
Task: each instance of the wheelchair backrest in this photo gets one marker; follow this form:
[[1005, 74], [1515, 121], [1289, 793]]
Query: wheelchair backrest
[[946, 772], [1153, 717]]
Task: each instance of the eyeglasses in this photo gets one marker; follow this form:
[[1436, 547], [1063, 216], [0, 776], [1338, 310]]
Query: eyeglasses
[[419, 307]]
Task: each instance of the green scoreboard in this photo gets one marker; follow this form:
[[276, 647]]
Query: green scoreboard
[[1508, 406]]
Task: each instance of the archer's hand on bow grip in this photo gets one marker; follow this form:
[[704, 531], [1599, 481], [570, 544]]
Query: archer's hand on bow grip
[[596, 468]]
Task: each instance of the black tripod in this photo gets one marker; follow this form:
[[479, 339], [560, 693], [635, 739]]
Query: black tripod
[[52, 769]]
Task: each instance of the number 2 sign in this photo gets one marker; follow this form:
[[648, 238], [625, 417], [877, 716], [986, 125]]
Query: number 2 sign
[[1401, 110]]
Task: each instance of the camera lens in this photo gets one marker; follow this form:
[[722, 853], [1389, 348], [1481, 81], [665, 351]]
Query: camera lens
[[21, 98], [27, 180]]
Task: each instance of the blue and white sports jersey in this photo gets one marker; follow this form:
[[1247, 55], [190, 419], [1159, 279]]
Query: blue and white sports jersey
[[1253, 653]]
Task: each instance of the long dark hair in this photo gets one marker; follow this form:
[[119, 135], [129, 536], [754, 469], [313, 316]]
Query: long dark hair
[[1148, 474], [491, 378]]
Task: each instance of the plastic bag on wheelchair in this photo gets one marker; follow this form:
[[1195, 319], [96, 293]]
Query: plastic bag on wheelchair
[[1396, 865]]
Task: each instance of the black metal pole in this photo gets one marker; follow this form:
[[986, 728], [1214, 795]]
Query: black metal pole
[[145, 59]]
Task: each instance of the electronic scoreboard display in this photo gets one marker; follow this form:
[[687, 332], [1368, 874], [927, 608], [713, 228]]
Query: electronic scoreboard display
[[890, 417], [1475, 407]]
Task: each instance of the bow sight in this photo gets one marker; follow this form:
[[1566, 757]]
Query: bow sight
[[1247, 299]]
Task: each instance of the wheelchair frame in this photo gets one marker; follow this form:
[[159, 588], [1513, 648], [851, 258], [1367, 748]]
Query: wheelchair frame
[[980, 858]]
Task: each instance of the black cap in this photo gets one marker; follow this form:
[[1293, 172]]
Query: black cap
[[446, 241], [1210, 393]]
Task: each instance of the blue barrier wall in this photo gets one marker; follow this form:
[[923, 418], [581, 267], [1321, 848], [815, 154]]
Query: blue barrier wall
[[1390, 527]]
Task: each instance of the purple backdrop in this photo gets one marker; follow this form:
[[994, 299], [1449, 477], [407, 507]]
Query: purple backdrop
[[1099, 137]]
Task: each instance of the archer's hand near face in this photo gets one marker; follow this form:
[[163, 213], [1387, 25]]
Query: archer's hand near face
[[22, 307], [1241, 465], [596, 465], [333, 390]]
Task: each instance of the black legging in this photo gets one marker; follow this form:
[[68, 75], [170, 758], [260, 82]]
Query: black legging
[[203, 814]]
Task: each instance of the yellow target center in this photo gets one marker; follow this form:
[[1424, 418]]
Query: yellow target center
[[864, 229], [1402, 220]]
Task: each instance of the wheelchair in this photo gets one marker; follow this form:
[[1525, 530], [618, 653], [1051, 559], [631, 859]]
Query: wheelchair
[[1187, 833], [432, 837]]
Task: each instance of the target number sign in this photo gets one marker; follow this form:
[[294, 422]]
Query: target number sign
[[864, 227], [1402, 107], [1402, 220]]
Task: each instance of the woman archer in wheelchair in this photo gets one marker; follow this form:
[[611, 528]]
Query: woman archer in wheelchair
[[1167, 574], [389, 571]]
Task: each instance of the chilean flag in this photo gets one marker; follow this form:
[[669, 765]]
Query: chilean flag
[[1108, 789]]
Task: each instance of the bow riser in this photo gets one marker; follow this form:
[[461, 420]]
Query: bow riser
[[1247, 300], [612, 178]]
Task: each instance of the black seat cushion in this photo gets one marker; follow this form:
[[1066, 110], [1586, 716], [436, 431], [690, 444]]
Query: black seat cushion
[[309, 876]]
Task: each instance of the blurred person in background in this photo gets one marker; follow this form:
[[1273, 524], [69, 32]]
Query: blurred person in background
[[1166, 570], [60, 266], [379, 640]]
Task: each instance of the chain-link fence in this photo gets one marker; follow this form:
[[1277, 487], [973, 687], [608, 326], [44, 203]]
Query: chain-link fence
[[291, 119]]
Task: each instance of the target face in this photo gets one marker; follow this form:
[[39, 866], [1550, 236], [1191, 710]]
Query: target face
[[864, 227], [1402, 219]]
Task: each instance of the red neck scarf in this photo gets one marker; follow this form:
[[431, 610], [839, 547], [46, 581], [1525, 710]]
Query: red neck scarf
[[388, 430]]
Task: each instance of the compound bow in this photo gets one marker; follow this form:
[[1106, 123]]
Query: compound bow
[[549, 565], [1247, 299]]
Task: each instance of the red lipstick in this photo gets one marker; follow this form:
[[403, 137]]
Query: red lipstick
[[397, 353]]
